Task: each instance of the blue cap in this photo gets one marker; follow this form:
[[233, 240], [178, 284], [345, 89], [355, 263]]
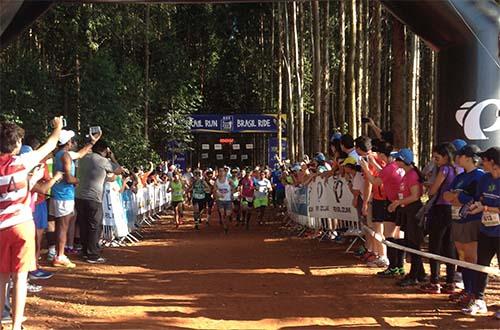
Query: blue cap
[[335, 136], [406, 155], [459, 144], [296, 167], [25, 149], [319, 157]]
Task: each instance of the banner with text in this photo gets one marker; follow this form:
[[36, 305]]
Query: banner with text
[[238, 123]]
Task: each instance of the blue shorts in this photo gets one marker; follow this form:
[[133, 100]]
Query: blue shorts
[[41, 216]]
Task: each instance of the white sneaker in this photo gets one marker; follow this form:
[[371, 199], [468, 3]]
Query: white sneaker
[[475, 307], [380, 262]]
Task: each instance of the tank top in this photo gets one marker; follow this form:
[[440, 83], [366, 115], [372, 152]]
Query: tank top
[[224, 190], [177, 192], [198, 190], [63, 191], [247, 188], [236, 193]]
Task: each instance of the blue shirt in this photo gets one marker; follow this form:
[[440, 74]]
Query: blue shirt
[[276, 180], [467, 184], [488, 192], [63, 191]]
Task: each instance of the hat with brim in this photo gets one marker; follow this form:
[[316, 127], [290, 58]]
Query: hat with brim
[[66, 136]]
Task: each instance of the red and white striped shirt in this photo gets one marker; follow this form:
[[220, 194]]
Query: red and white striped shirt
[[14, 189]]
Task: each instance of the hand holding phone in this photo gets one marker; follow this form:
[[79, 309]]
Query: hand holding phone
[[95, 133]]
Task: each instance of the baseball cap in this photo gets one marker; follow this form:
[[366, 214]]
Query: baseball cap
[[470, 150], [406, 155], [492, 154], [335, 136], [459, 144], [25, 149], [320, 157], [66, 136], [349, 161]]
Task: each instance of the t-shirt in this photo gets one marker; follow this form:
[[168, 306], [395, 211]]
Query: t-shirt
[[92, 172], [392, 177], [466, 183], [378, 191], [488, 192], [199, 189], [262, 188], [410, 179], [358, 182], [276, 180], [247, 188], [448, 172], [14, 195]]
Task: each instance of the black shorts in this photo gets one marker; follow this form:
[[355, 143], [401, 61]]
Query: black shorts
[[202, 203], [209, 200], [379, 210], [236, 202]]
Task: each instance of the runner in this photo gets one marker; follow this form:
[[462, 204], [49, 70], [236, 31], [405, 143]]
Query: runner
[[209, 179], [406, 207], [177, 190], [198, 191], [262, 189], [223, 192], [247, 188], [439, 224], [465, 226], [235, 179], [488, 203]]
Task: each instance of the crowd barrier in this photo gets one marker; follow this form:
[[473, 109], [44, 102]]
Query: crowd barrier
[[316, 205], [125, 213]]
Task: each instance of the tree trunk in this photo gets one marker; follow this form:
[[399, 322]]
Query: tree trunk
[[280, 76], [376, 64], [146, 76], [359, 65], [351, 76], [342, 78], [78, 88], [298, 78], [291, 120], [398, 115], [325, 92], [413, 72], [316, 136], [365, 91]]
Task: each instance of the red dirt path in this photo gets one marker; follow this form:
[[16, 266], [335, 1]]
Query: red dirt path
[[260, 279]]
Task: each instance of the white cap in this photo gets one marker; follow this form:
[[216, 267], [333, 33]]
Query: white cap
[[65, 136]]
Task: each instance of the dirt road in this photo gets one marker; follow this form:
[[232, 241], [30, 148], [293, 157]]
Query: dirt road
[[257, 279]]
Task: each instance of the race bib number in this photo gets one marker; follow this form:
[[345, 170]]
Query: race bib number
[[455, 212], [401, 196], [198, 196], [490, 219]]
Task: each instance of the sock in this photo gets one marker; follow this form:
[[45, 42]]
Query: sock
[[391, 254], [52, 249]]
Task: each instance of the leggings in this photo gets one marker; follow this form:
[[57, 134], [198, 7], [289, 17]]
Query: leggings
[[487, 247], [440, 241]]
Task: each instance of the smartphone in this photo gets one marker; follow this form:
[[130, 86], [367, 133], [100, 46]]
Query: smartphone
[[365, 120], [95, 130], [64, 124]]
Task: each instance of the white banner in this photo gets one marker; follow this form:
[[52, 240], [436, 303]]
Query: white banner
[[114, 213], [331, 198]]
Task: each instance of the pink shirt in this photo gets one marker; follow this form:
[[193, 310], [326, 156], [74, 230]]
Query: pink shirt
[[392, 177], [409, 180], [247, 187]]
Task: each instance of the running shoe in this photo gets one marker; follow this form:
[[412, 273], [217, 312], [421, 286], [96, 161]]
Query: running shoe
[[63, 262], [430, 288], [448, 288], [475, 307], [33, 288], [380, 262], [360, 251], [466, 300], [6, 320], [389, 273], [40, 274], [99, 260], [51, 256], [70, 251]]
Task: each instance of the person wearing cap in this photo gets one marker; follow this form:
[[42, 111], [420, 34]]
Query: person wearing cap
[[465, 226], [406, 206], [486, 204], [17, 229], [62, 202]]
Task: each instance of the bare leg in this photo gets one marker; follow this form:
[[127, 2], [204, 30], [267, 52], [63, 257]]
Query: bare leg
[[39, 236], [380, 248], [19, 298], [62, 225], [71, 231], [4, 280]]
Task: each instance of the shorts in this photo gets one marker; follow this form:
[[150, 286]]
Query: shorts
[[175, 203], [202, 203], [260, 202], [17, 248], [236, 202], [61, 208], [41, 216], [247, 202], [467, 232], [209, 200], [379, 210], [225, 205]]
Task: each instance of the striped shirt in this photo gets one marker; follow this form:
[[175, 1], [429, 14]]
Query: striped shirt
[[15, 198]]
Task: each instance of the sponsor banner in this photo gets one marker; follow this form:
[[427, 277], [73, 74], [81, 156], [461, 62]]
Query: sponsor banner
[[238, 123], [299, 201], [114, 213], [273, 150], [331, 198]]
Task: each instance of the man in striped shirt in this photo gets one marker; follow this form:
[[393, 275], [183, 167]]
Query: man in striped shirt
[[17, 229]]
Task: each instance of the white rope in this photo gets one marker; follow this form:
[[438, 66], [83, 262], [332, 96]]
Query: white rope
[[483, 269]]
